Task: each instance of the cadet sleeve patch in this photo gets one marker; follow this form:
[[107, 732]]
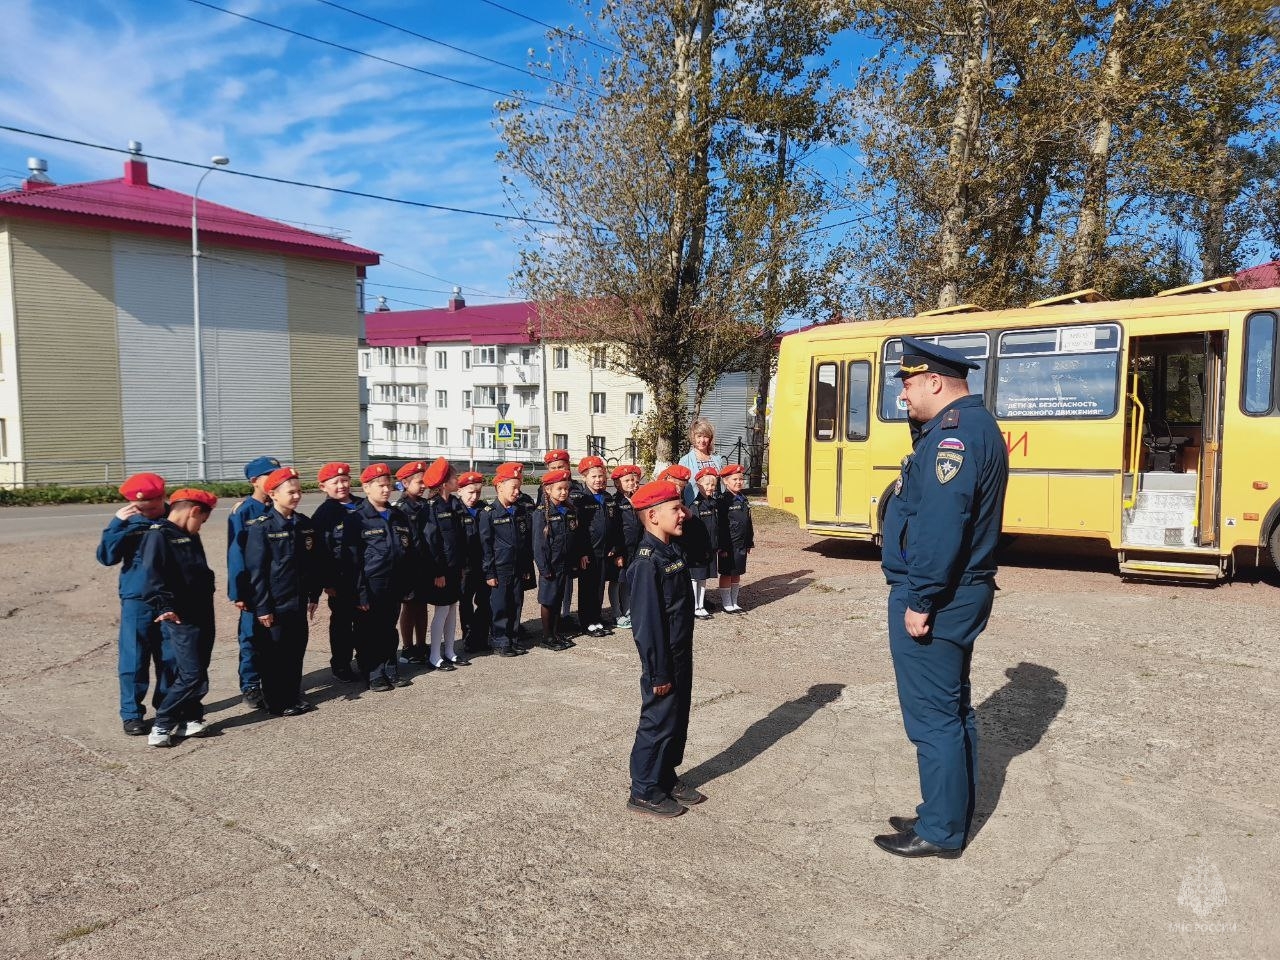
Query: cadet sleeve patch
[[947, 465]]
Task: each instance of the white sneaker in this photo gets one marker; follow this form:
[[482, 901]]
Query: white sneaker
[[192, 728], [159, 738], [624, 623], [701, 613]]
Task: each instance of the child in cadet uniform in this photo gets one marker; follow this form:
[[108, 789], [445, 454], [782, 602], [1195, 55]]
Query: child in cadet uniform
[[253, 506], [528, 503], [379, 550], [559, 460], [702, 537], [335, 481], [662, 625], [506, 542], [598, 514], [288, 571], [444, 549], [559, 552], [413, 612], [737, 536], [474, 604], [139, 644], [678, 474], [626, 480], [178, 586]]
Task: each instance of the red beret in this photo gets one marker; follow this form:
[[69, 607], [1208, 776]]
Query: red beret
[[409, 469], [653, 493], [467, 479], [508, 471], [730, 469], [437, 472], [588, 462], [707, 472], [553, 455], [277, 477], [677, 471], [625, 470], [373, 471], [555, 476], [143, 486], [202, 497], [335, 469]]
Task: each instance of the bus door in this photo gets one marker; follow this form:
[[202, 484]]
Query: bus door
[[1213, 386], [839, 421]]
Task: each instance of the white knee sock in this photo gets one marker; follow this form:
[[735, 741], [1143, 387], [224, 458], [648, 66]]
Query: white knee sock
[[733, 594], [726, 597], [450, 629], [699, 593], [438, 615]]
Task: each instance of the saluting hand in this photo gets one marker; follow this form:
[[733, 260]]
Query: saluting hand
[[662, 689], [127, 511], [917, 623]]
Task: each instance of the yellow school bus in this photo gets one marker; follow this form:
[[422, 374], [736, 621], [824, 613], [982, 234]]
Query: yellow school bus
[[1153, 424]]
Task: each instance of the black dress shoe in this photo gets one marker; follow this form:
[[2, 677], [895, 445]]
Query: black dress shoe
[[402, 682], [304, 706], [565, 642], [686, 794], [903, 824], [510, 651], [253, 698], [444, 666], [135, 728], [345, 674], [291, 712], [550, 643], [459, 661], [381, 685], [909, 845]]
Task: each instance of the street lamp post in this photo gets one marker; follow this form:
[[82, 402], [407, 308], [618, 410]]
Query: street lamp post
[[201, 440]]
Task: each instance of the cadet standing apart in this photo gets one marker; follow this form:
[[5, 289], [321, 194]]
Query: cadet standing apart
[[662, 627], [238, 589], [941, 528]]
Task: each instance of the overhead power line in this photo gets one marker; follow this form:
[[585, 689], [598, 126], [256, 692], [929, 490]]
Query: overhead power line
[[232, 172], [559, 31]]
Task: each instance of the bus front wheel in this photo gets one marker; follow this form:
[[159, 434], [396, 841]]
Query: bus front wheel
[[1274, 544]]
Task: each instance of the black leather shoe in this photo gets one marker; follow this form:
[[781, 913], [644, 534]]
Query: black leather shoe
[[459, 661], [909, 845], [684, 793], [135, 728], [666, 808], [509, 651], [444, 666], [380, 685], [903, 824], [565, 642], [402, 682], [294, 711], [550, 643], [253, 698], [346, 674]]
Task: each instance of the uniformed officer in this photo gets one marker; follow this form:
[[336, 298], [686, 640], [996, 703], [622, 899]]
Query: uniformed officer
[[379, 551], [662, 625], [178, 586], [335, 481], [474, 605], [140, 643], [559, 552], [598, 513], [507, 546], [626, 481], [940, 533], [288, 571], [253, 506]]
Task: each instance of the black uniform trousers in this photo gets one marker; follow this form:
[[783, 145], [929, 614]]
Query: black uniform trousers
[[662, 732], [188, 651], [342, 631], [505, 602], [591, 590], [474, 611], [278, 652], [378, 638]]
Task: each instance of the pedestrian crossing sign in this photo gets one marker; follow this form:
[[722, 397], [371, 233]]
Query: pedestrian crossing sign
[[504, 431]]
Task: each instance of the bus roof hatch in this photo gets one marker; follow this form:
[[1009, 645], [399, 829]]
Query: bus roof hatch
[[1089, 295], [958, 308], [1204, 286]]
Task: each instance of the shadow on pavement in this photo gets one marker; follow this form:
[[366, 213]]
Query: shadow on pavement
[[1010, 722], [763, 734], [764, 591]]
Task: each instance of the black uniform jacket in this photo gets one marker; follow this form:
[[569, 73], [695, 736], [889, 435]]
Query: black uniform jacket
[[177, 578], [661, 609], [632, 528], [602, 523], [379, 556], [286, 561], [506, 542], [558, 542]]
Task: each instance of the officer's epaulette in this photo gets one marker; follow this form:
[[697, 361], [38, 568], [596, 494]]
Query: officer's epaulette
[[261, 519], [644, 551], [155, 526], [952, 419], [488, 508], [237, 506]]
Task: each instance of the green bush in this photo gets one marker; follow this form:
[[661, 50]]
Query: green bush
[[44, 495]]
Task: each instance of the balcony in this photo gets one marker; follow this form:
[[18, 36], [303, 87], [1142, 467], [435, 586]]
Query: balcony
[[506, 374], [403, 412]]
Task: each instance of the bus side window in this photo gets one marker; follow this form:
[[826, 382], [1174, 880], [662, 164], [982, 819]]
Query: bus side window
[[1259, 363], [826, 401], [859, 409]]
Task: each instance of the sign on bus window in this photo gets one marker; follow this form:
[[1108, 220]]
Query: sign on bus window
[[1259, 363], [1058, 372], [975, 346], [858, 410], [826, 401]]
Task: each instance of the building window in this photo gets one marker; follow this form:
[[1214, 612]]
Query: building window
[[635, 403], [598, 403], [633, 449], [466, 359], [595, 446], [527, 397], [466, 394], [389, 430], [442, 399], [4, 439], [520, 438], [599, 357], [486, 354], [364, 359], [386, 356], [486, 396], [560, 401], [559, 441], [466, 438], [560, 358], [442, 437], [407, 356], [526, 354], [442, 360]]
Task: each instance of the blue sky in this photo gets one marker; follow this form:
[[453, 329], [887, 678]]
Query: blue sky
[[190, 82]]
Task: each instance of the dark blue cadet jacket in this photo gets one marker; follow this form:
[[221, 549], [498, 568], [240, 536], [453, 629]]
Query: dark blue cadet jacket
[[469, 518], [177, 578], [632, 528], [506, 541], [661, 609], [444, 537], [603, 524], [328, 523], [558, 542], [120, 543], [287, 563], [701, 540], [737, 530], [379, 554], [238, 589], [942, 524]]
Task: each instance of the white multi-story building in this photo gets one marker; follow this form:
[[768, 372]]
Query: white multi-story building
[[438, 382]]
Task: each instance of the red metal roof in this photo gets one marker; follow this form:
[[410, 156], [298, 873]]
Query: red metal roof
[[135, 205], [492, 323], [1259, 277]]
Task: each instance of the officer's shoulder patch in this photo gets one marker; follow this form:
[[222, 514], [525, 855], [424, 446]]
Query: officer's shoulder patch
[[238, 505], [947, 465], [488, 509], [261, 519], [951, 419]]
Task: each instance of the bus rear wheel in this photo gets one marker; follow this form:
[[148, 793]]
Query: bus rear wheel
[[1274, 545]]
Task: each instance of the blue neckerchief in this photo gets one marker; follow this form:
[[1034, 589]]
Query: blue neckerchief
[[350, 505], [562, 509], [473, 510], [511, 510], [385, 514], [599, 498]]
